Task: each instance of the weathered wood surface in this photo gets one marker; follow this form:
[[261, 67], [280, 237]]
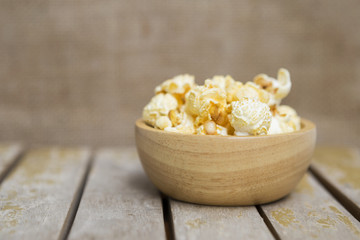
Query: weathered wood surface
[[119, 202], [341, 168], [193, 221], [8, 153], [35, 198], [310, 212]]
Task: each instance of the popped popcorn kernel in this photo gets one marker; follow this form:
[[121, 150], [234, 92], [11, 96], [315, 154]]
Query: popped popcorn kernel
[[211, 128], [279, 88], [226, 83], [192, 100], [180, 84], [288, 118], [223, 106], [163, 122], [275, 126], [186, 124], [205, 103], [160, 105], [252, 91], [250, 117]]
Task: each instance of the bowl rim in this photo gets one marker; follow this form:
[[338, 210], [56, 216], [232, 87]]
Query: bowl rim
[[306, 126]]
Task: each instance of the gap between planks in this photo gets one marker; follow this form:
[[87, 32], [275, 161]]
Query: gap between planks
[[349, 205], [168, 218], [267, 223], [12, 165], [70, 217]]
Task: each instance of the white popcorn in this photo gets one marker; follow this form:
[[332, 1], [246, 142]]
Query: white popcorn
[[250, 117], [163, 122], [252, 91], [160, 105], [275, 126], [205, 103], [279, 88], [285, 120], [226, 83], [178, 85], [192, 100], [288, 118], [214, 130], [219, 82], [185, 126]]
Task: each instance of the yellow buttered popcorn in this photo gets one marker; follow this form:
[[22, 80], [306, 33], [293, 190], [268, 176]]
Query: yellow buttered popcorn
[[223, 106]]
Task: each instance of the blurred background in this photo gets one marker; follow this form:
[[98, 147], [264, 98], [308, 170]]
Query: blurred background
[[80, 72]]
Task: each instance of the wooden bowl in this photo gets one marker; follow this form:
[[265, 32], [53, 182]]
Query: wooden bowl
[[225, 170]]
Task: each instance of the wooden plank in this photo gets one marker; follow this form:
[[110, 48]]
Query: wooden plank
[[310, 212], [36, 196], [8, 153], [193, 221], [119, 202], [339, 169]]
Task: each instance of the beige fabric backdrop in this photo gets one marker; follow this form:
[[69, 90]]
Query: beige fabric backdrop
[[80, 72]]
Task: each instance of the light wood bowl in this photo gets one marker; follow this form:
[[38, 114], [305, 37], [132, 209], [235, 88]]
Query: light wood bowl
[[225, 170]]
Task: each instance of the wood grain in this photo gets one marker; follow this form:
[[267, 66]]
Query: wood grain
[[218, 170], [193, 221], [36, 196], [340, 167], [8, 153], [119, 202], [310, 212]]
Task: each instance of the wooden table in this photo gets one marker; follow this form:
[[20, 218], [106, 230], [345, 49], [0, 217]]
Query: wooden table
[[76, 193]]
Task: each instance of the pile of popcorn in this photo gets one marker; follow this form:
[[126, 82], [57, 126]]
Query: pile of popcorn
[[223, 106]]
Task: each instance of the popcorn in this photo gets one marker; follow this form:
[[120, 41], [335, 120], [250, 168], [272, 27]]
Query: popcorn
[[226, 83], [279, 88], [288, 118], [285, 120], [211, 128], [206, 103], [275, 126], [178, 85], [252, 91], [186, 124], [250, 117], [223, 106], [163, 122], [160, 105], [192, 100]]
